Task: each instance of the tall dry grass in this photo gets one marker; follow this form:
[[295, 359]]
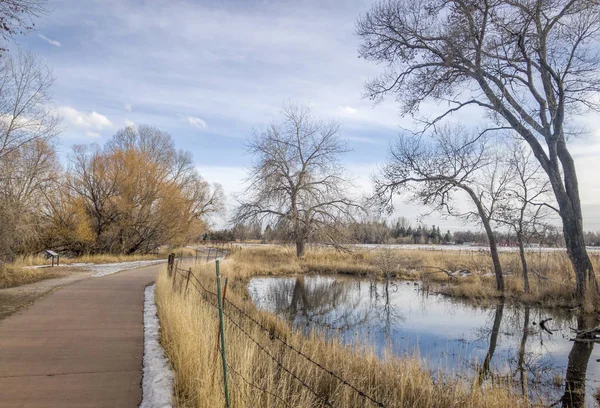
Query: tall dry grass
[[551, 275], [11, 276], [189, 334]]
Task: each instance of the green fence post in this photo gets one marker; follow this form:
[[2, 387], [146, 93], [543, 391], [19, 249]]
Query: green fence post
[[222, 329]]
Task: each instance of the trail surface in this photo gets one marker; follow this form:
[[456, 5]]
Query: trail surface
[[80, 346]]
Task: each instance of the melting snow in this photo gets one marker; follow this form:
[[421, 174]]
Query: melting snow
[[107, 269], [157, 384]]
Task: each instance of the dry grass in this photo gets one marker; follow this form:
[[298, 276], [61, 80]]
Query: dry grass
[[552, 279], [189, 334], [11, 276]]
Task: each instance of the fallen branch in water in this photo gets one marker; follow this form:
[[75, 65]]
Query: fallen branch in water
[[587, 335]]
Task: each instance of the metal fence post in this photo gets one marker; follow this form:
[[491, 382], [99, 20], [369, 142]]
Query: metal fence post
[[187, 282], [222, 329], [170, 262]]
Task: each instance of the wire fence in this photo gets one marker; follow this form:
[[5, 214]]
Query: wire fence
[[189, 279]]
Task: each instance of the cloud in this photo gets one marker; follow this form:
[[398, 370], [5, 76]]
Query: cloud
[[128, 107], [129, 122], [349, 110], [49, 41], [92, 134], [197, 122], [89, 121]]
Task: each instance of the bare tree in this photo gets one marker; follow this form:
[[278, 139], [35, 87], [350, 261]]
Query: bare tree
[[16, 16], [26, 113], [527, 205], [27, 155], [530, 65], [433, 168], [297, 180]]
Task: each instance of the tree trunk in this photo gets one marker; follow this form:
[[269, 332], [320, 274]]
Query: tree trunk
[[582, 265], [569, 205], [491, 238], [523, 261], [299, 247]]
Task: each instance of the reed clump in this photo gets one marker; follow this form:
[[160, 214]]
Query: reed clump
[[189, 327]]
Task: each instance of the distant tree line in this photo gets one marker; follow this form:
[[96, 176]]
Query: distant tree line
[[397, 231]]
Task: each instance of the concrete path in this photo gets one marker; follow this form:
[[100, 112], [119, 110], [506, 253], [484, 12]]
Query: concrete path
[[81, 346]]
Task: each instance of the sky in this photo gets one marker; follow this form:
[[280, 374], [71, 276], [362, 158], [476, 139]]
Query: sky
[[209, 72]]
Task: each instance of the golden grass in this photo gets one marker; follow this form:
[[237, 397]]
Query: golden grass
[[551, 275], [11, 276], [189, 333]]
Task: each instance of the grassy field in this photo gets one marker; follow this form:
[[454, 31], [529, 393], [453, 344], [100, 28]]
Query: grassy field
[[11, 275], [551, 277], [189, 325]]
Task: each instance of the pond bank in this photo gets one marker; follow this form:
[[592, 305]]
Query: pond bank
[[481, 343]]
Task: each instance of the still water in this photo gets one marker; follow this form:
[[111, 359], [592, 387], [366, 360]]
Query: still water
[[448, 335]]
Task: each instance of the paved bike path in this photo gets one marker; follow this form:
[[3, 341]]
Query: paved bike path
[[81, 346]]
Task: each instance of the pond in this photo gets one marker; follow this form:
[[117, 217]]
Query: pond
[[448, 335]]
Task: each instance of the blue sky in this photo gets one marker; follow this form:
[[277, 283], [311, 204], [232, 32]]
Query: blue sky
[[208, 72]]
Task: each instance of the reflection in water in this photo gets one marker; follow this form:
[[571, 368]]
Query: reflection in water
[[579, 358], [485, 368], [521, 366], [448, 335]]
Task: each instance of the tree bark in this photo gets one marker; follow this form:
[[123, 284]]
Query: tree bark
[[569, 205], [524, 266]]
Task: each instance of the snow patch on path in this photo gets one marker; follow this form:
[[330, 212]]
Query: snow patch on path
[[157, 384], [110, 268]]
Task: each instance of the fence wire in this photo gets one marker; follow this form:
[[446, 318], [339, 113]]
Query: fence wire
[[190, 277]]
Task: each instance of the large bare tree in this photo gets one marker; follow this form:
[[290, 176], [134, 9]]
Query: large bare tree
[[433, 169], [530, 65], [26, 112], [27, 155], [296, 179]]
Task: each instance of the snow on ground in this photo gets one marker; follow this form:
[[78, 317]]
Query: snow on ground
[[157, 383], [109, 268]]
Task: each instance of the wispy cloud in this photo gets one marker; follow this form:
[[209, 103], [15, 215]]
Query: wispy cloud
[[197, 122], [49, 41], [128, 107]]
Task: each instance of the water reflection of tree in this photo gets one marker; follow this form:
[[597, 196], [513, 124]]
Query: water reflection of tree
[[335, 303], [381, 304], [485, 368], [522, 367], [579, 357], [320, 302]]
